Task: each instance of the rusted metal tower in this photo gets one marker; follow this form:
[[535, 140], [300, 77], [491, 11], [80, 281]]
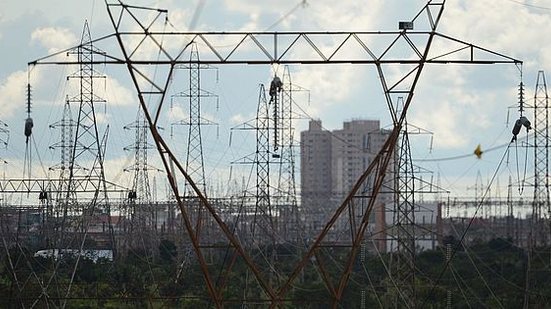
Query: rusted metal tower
[[282, 48]]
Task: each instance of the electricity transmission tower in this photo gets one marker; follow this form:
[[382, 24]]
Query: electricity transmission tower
[[196, 96], [258, 201], [541, 204], [87, 153], [194, 163], [286, 48], [407, 187], [141, 188], [66, 126], [140, 212], [286, 198], [404, 221]]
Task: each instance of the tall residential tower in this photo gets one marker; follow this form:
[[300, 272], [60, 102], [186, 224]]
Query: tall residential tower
[[331, 163]]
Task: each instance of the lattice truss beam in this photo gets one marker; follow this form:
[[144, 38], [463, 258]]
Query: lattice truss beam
[[37, 185], [141, 44]]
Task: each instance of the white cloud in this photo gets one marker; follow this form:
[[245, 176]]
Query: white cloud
[[465, 105], [117, 94], [177, 113], [102, 118], [505, 27], [13, 90], [239, 119], [329, 85], [54, 38]]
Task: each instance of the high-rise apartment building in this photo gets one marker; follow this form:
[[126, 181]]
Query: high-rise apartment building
[[332, 162]]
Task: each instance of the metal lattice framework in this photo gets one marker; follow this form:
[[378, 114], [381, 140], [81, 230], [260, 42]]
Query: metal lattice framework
[[37, 185], [263, 214], [66, 128], [88, 147], [286, 200], [195, 94], [140, 210], [404, 221], [376, 48], [405, 231], [541, 206], [541, 203], [257, 202], [87, 151], [141, 187]]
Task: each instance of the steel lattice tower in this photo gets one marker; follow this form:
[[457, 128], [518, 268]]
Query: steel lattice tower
[[4, 138], [287, 201], [140, 210], [540, 204], [263, 214], [87, 150], [258, 201], [194, 154], [194, 163], [403, 265], [66, 126], [541, 211], [87, 153], [141, 189], [194, 157], [280, 48]]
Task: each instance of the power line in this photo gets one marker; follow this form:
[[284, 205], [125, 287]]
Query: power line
[[464, 234], [531, 5]]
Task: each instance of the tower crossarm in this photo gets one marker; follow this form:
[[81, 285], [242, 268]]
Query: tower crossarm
[[408, 48], [37, 185], [356, 47]]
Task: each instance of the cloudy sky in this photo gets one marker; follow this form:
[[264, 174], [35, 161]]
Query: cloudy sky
[[462, 105]]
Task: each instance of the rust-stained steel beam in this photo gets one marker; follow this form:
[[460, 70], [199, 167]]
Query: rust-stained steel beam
[[280, 48]]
